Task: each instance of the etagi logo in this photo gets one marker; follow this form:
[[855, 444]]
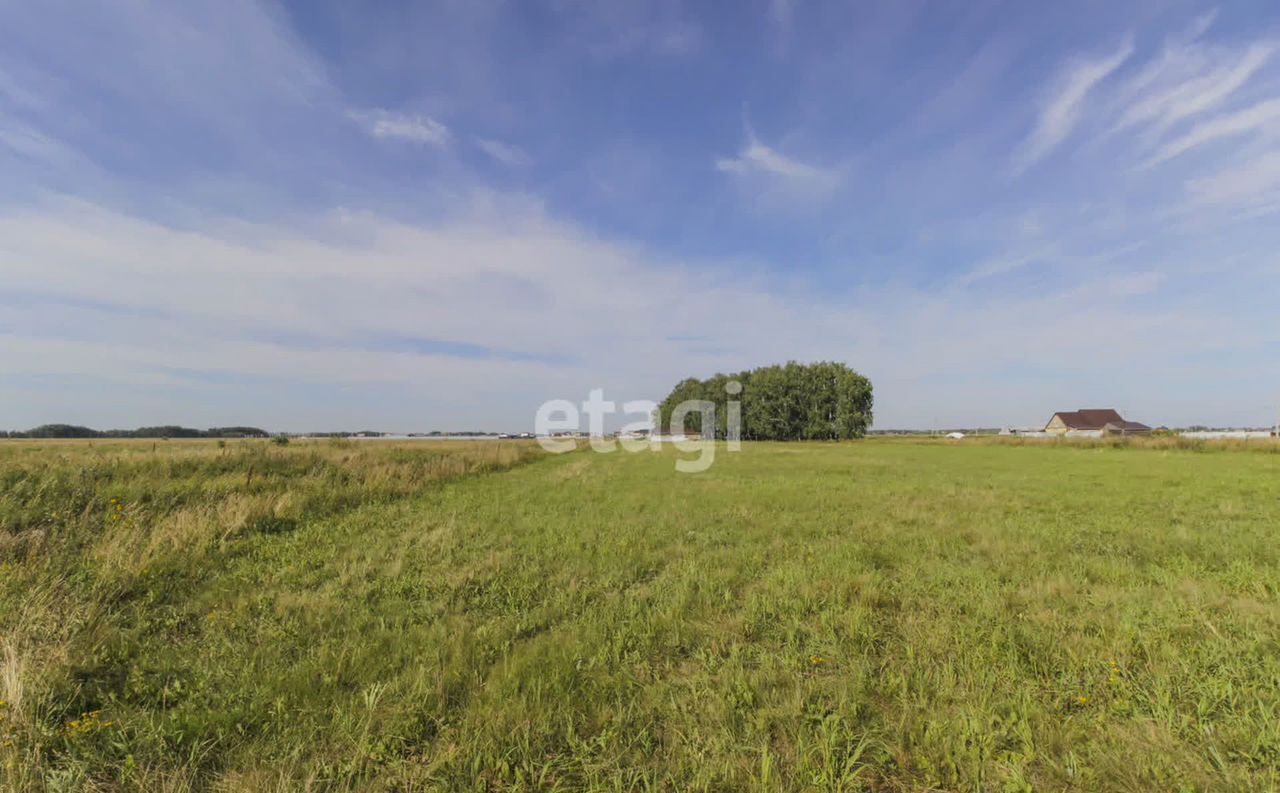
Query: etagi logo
[[556, 417]]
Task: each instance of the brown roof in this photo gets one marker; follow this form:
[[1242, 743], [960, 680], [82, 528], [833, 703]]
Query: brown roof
[[1096, 419]]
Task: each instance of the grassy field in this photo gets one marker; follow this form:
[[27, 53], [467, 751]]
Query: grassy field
[[881, 615]]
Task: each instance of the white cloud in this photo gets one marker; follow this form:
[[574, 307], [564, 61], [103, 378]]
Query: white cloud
[[223, 62], [623, 28], [680, 39], [34, 145], [781, 15], [1181, 57], [1264, 116], [1001, 265], [282, 303], [505, 153], [774, 170], [19, 92], [757, 157], [386, 124], [1255, 181], [207, 75], [781, 11], [1062, 110], [1193, 84], [1200, 25]]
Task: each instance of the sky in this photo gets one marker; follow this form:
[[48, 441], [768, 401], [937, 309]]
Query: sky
[[415, 216]]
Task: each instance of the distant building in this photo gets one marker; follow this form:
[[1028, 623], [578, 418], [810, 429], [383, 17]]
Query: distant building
[[1031, 431], [676, 435], [1221, 435], [1099, 421]]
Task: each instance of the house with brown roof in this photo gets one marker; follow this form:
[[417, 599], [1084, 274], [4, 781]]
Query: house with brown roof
[[1105, 421]]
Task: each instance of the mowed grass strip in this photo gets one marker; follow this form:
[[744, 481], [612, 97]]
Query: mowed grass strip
[[865, 616]]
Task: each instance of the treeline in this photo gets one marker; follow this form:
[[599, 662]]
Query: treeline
[[790, 402], [76, 431]]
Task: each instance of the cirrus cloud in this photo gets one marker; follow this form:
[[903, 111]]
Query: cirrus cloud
[[387, 124]]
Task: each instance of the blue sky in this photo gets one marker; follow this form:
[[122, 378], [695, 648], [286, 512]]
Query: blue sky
[[416, 216]]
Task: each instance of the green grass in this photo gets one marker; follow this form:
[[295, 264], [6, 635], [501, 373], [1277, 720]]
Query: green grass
[[866, 616]]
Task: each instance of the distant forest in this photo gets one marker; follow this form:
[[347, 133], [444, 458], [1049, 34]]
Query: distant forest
[[74, 431], [789, 402]]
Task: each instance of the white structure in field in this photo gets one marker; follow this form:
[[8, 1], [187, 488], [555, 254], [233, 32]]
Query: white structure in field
[[676, 436]]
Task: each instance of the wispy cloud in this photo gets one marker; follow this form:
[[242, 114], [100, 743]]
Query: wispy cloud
[[505, 153], [1180, 58], [1259, 117], [1254, 182], [780, 12], [387, 124], [173, 76], [759, 158], [35, 145], [759, 161], [1191, 94], [1191, 97], [1190, 83], [621, 28], [781, 16], [14, 91], [999, 266], [1062, 110]]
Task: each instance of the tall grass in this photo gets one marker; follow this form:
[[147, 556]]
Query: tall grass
[[94, 534], [1148, 442]]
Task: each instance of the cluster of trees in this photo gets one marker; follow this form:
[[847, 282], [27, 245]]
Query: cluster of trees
[[790, 402], [76, 431]]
